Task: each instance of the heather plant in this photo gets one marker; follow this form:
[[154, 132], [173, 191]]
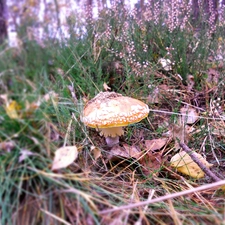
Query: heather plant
[[139, 42]]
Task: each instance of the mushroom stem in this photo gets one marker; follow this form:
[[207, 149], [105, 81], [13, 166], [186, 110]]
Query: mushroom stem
[[111, 131], [111, 141]]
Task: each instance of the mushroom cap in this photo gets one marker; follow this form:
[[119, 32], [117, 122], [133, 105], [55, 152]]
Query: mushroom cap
[[110, 109]]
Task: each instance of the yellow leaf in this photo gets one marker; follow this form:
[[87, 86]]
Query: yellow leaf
[[222, 188], [15, 9], [12, 109], [32, 3], [184, 164], [64, 156], [220, 39]]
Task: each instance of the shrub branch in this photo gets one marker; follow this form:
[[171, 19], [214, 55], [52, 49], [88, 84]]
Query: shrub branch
[[198, 162]]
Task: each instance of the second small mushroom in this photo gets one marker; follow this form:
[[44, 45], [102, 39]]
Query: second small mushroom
[[109, 112]]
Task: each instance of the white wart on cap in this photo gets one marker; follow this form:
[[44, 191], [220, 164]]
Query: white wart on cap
[[110, 111]]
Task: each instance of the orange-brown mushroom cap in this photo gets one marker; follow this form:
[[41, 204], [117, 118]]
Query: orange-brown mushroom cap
[[112, 110]]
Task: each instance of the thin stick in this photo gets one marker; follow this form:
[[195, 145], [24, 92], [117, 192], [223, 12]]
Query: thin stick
[[55, 217], [165, 197], [205, 169]]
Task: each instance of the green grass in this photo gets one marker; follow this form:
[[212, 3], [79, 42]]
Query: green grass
[[31, 193]]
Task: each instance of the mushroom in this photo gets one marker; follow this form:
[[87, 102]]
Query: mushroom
[[109, 112]]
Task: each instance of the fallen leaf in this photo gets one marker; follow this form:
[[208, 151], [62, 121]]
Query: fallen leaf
[[12, 109], [106, 87], [96, 152], [64, 156], [7, 146], [213, 77], [117, 218], [30, 108], [36, 104], [154, 96], [158, 93], [189, 115], [60, 71], [184, 164], [117, 152], [155, 144], [151, 163], [222, 188], [126, 151], [50, 95], [166, 64], [4, 97], [190, 82], [133, 151], [24, 154]]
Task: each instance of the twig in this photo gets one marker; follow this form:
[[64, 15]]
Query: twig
[[165, 197], [197, 161]]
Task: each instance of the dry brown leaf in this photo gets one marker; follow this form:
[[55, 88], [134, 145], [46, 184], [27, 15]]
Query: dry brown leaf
[[4, 98], [190, 82], [50, 95], [133, 151], [126, 151], [30, 108], [24, 154], [154, 96], [155, 144], [60, 71], [158, 93], [189, 115], [151, 163], [106, 87], [64, 156], [117, 152], [117, 218], [184, 164], [7, 146], [213, 77], [96, 152]]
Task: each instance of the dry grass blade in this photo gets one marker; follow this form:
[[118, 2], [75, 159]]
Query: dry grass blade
[[166, 197], [88, 197], [142, 212], [174, 213], [55, 217]]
